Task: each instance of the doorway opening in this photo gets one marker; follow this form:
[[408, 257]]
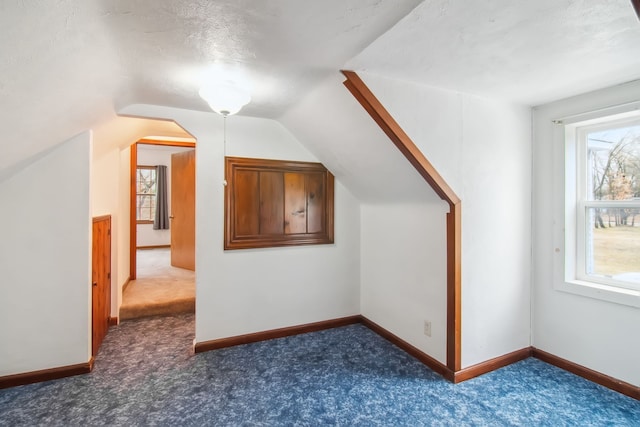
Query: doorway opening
[[162, 245]]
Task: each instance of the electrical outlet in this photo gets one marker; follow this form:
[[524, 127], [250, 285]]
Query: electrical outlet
[[427, 328]]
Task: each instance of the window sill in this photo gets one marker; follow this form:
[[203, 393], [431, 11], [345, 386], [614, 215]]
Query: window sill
[[602, 292]]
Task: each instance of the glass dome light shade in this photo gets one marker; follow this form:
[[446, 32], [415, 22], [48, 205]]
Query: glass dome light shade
[[225, 98]]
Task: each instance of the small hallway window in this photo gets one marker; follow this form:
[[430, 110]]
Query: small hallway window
[[145, 194]]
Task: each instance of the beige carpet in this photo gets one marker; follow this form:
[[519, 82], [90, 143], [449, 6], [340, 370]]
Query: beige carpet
[[159, 289]]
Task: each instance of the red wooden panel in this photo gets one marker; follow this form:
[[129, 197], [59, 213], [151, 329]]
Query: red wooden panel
[[271, 203], [295, 218], [315, 202], [247, 199], [291, 185], [101, 281], [183, 210]]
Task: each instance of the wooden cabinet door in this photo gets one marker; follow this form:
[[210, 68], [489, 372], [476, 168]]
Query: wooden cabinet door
[[183, 210], [277, 203], [101, 281]]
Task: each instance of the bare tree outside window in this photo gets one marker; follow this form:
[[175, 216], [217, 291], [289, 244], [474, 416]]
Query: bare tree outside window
[[145, 194]]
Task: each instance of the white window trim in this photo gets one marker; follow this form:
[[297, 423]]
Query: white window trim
[[565, 134]]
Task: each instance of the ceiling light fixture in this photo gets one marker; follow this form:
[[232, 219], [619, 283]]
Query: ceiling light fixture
[[225, 98]]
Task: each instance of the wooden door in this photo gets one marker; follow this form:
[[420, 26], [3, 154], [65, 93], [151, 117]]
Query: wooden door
[[183, 210], [101, 281]]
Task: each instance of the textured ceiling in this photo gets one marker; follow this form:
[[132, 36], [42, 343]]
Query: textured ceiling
[[59, 74], [528, 52], [280, 48], [67, 65]]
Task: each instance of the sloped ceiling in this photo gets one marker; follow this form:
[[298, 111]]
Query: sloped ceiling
[[121, 132], [280, 47], [522, 51], [66, 65], [59, 75], [345, 138]]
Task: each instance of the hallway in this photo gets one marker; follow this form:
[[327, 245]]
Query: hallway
[[159, 289]]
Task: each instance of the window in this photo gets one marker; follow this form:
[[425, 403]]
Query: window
[[145, 194], [602, 202], [277, 203]]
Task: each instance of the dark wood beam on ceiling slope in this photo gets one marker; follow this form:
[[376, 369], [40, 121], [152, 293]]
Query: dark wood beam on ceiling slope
[[636, 6], [454, 218]]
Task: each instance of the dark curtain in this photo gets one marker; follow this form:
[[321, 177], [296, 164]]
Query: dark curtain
[[161, 221]]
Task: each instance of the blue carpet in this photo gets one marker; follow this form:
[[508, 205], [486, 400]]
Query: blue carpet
[[146, 374]]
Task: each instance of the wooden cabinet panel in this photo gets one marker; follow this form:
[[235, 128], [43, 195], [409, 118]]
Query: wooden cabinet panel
[[247, 202], [315, 203], [277, 203], [295, 209], [271, 203]]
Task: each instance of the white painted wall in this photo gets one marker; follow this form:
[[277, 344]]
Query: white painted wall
[[110, 185], [104, 189], [404, 272], [482, 148], [154, 156], [45, 259], [403, 248], [244, 291], [147, 236], [123, 231], [600, 335], [105, 196]]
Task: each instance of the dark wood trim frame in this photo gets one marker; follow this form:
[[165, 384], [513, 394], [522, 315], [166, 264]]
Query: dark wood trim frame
[[113, 321], [454, 287], [392, 129], [491, 365], [46, 374], [153, 247], [589, 374], [148, 141], [100, 218], [235, 164], [454, 263], [438, 367], [636, 7], [133, 165], [133, 221], [423, 357], [442, 369], [201, 347]]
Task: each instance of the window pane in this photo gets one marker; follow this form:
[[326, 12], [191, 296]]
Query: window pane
[[613, 163], [146, 181], [146, 190], [613, 243], [146, 207]]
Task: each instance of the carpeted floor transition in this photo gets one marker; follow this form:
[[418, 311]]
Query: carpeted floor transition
[[160, 288], [146, 374]]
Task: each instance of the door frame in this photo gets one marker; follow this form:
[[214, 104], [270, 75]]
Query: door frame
[[133, 224]]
